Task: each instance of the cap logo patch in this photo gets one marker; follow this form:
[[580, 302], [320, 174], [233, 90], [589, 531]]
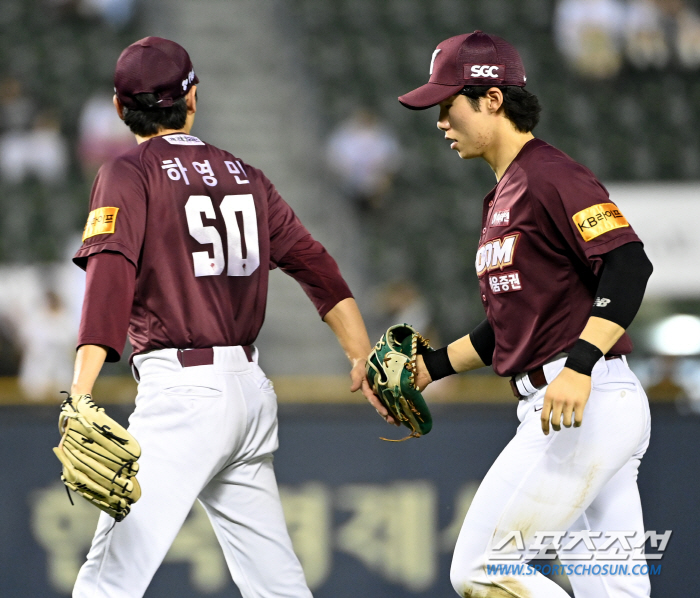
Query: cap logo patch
[[596, 220], [488, 71], [432, 60], [188, 80], [100, 222]]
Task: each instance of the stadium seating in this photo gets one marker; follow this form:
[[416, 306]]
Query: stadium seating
[[363, 52], [60, 55]]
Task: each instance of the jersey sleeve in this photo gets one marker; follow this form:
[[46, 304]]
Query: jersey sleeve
[[308, 262], [581, 209], [285, 227], [117, 218], [109, 294]]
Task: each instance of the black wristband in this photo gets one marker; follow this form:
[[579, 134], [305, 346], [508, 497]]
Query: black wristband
[[438, 364], [582, 357]]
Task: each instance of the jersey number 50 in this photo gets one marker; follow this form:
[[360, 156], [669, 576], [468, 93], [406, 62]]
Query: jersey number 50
[[241, 224]]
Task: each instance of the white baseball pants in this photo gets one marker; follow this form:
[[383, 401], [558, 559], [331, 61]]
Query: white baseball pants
[[576, 479], [208, 433]]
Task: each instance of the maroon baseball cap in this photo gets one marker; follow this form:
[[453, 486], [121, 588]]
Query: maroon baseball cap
[[470, 59], [153, 65]]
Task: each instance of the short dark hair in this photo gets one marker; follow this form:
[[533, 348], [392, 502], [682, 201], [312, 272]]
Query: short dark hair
[[150, 119], [521, 107]]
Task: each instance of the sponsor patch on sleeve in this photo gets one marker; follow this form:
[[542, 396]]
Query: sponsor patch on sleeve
[[100, 222], [596, 220]]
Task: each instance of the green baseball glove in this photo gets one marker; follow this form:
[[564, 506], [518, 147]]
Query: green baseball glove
[[391, 371], [98, 456]]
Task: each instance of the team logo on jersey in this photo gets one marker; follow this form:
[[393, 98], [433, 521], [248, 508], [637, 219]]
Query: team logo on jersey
[[496, 253], [100, 222], [596, 220], [485, 71], [500, 218]]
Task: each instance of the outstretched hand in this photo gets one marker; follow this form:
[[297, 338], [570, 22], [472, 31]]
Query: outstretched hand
[[565, 400], [358, 375]]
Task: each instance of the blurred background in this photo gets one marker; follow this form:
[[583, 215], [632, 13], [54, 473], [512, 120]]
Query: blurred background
[[306, 90]]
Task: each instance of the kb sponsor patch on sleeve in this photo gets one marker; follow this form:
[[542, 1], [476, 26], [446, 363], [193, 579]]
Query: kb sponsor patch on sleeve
[[100, 222], [596, 220]]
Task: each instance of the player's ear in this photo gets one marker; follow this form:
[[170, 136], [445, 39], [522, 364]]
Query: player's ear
[[191, 99], [118, 106], [493, 99]]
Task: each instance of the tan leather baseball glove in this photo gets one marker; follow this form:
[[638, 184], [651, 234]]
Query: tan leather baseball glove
[[98, 456]]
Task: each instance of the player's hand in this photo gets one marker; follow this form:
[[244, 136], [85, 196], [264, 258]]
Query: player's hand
[[422, 376], [565, 400], [358, 375]]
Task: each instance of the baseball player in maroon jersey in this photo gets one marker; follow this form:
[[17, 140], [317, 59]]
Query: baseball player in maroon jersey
[[562, 274], [178, 245]]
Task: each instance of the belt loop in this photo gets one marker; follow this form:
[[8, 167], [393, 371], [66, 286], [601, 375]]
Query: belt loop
[[514, 388], [248, 350], [135, 373], [530, 382]]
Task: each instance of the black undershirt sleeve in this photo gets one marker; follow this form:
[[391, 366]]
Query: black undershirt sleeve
[[484, 341], [623, 281]]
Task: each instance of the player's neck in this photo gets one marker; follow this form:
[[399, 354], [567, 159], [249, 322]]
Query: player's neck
[[505, 147], [189, 121], [160, 133]]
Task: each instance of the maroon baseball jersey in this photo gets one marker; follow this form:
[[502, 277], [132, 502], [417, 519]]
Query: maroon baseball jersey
[[203, 230], [545, 226]]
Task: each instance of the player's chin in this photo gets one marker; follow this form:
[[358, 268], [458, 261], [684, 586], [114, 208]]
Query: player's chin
[[465, 154]]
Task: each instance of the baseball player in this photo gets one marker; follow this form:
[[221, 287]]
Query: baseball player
[[178, 245], [562, 274]]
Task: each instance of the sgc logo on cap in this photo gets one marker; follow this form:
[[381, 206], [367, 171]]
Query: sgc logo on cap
[[491, 71]]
